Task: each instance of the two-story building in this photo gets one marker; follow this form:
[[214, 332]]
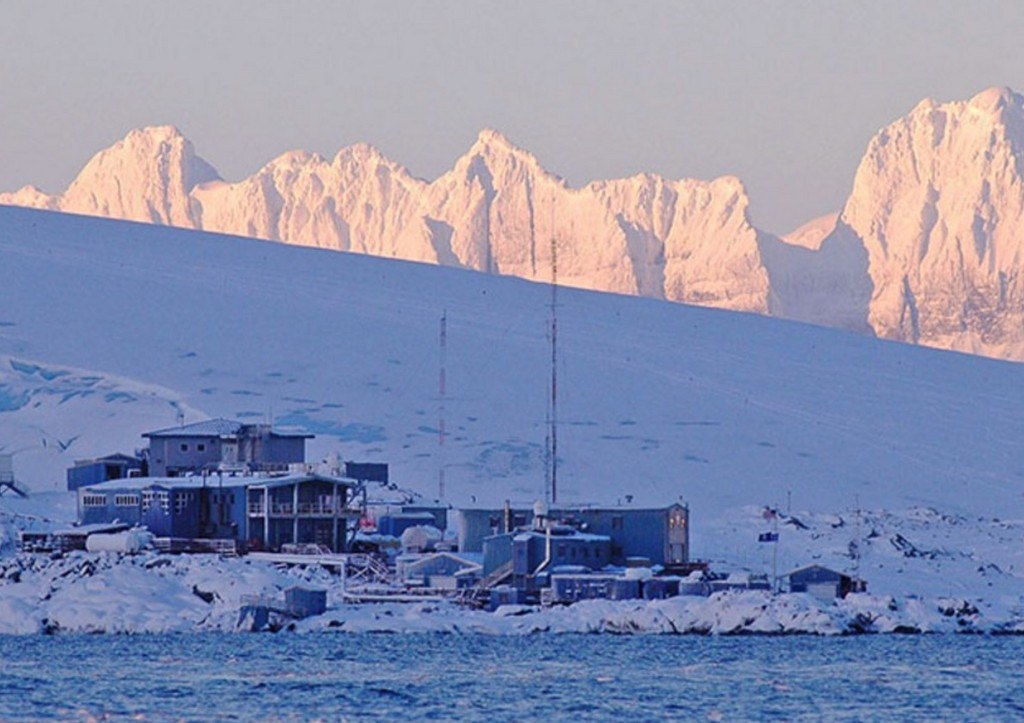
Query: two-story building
[[223, 444], [256, 511]]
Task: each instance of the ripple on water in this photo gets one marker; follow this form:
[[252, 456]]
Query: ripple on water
[[561, 677]]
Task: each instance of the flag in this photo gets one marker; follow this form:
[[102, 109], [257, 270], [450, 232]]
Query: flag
[[768, 537]]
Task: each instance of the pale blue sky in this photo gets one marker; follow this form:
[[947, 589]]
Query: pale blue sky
[[784, 95]]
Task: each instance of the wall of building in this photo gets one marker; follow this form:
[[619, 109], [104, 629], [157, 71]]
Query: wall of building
[[170, 456], [117, 505], [637, 532], [100, 470]]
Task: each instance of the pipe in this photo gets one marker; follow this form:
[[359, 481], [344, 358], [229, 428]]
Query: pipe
[[547, 550]]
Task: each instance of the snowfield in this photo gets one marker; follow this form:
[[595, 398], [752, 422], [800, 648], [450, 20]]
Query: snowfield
[[109, 329]]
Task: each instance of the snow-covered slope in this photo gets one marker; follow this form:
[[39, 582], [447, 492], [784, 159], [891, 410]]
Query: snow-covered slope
[[108, 329], [927, 250]]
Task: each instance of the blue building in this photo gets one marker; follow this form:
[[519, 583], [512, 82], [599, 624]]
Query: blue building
[[653, 536], [264, 512], [221, 443], [94, 471], [299, 509], [536, 554], [824, 583]]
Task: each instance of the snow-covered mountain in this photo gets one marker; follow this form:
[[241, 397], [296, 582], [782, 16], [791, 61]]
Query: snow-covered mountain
[[659, 401], [496, 211], [938, 202], [928, 249]]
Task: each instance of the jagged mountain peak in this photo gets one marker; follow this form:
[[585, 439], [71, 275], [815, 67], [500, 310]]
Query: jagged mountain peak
[[295, 159], [159, 133], [495, 139], [494, 145], [996, 99]]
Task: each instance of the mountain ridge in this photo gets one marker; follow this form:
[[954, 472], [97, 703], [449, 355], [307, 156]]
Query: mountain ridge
[[928, 248]]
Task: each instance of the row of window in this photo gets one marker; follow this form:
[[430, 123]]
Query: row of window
[[572, 552], [200, 447], [149, 499]]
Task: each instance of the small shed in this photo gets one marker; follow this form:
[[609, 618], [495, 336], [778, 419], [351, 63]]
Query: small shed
[[304, 602], [437, 570], [88, 472], [823, 582]]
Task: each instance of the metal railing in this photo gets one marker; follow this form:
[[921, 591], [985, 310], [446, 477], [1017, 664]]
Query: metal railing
[[305, 509]]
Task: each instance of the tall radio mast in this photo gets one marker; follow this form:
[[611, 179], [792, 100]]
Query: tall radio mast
[[553, 431], [442, 383]]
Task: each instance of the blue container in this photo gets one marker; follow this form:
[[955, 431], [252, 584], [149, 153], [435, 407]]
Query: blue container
[[305, 602], [503, 595], [624, 589], [694, 588], [659, 588]]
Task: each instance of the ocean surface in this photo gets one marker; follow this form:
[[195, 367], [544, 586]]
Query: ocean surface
[[557, 677]]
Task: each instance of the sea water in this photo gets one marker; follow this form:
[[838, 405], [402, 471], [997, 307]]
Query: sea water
[[473, 677]]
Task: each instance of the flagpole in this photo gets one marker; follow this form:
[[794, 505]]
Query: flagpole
[[775, 554]]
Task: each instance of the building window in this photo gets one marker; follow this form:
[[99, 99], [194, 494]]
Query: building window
[[200, 447], [180, 503], [184, 447], [126, 500], [617, 522], [94, 500]]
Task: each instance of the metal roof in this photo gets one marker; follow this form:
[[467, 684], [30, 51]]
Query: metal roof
[[208, 428], [214, 481], [194, 482], [293, 478], [818, 566], [90, 529], [219, 428]]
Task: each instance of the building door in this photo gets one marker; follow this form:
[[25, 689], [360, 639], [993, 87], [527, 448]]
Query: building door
[[676, 553]]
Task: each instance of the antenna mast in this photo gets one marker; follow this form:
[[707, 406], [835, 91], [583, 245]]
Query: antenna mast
[[554, 370], [441, 391]]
